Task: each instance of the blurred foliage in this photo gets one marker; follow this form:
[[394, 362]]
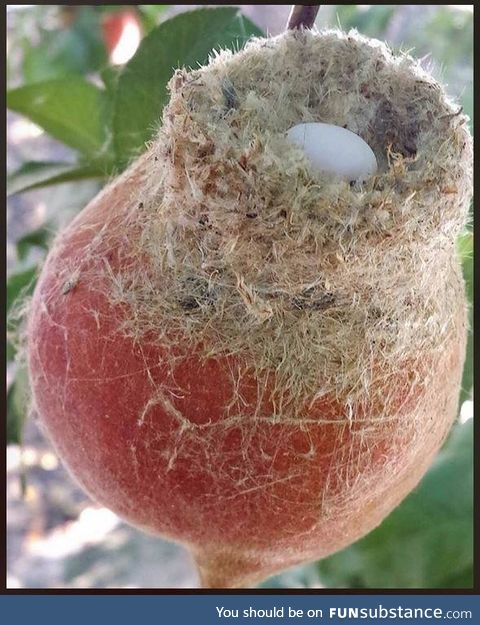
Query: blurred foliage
[[370, 21], [19, 286], [151, 15], [443, 38], [465, 248], [107, 113], [17, 403], [39, 238]]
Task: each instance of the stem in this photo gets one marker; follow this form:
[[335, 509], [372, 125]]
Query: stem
[[230, 570], [302, 16]]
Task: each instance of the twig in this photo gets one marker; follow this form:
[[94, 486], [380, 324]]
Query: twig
[[302, 16]]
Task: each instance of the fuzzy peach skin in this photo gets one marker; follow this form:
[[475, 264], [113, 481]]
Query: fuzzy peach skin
[[247, 498]]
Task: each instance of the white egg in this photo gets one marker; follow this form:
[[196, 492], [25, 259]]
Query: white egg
[[334, 149]]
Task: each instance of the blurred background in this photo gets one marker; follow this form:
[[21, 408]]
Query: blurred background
[[59, 154]]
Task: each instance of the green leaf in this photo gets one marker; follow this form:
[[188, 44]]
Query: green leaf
[[32, 175], [151, 14], [19, 285], [183, 41], [17, 406], [11, 351], [72, 110], [36, 238], [427, 542], [110, 76], [465, 247]]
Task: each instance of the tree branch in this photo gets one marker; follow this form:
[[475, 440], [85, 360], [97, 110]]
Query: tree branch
[[302, 16]]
